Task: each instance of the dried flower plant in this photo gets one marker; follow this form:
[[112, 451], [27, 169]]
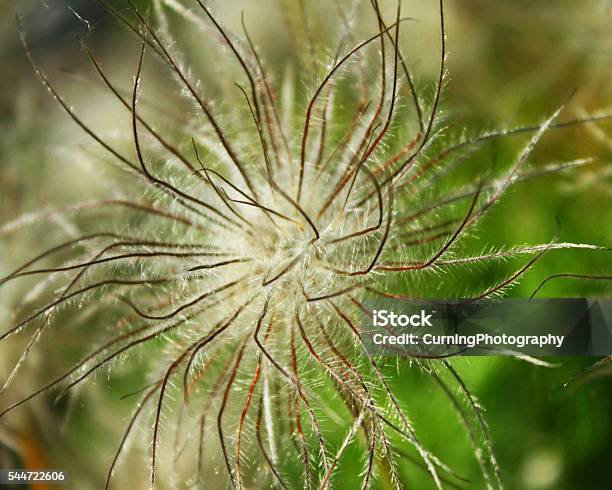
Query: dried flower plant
[[236, 264]]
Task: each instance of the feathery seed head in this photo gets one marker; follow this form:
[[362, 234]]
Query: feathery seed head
[[238, 262]]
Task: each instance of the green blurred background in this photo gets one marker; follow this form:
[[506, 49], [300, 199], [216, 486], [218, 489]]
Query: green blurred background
[[510, 63]]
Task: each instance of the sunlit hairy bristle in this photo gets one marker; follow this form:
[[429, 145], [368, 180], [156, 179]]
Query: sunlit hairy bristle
[[239, 264]]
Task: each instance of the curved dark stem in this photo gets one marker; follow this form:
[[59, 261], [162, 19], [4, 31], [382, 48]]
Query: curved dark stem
[[222, 177], [222, 195], [323, 133], [245, 68], [470, 193], [110, 357], [313, 419], [262, 446], [205, 109], [184, 306], [164, 383], [126, 434], [351, 169], [262, 138], [57, 248], [381, 212], [298, 418], [335, 294], [61, 101], [380, 248], [512, 132], [343, 143], [397, 175], [481, 422], [192, 349], [354, 173], [237, 55], [371, 129], [218, 264], [568, 276], [139, 153], [276, 187], [171, 148], [117, 282], [80, 122], [316, 95], [394, 88], [245, 410], [66, 291], [228, 387], [266, 281], [408, 76], [274, 362], [131, 256], [243, 415], [270, 98], [128, 241], [512, 278], [204, 341], [446, 246]]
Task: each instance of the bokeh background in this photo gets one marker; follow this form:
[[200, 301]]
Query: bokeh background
[[510, 64]]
